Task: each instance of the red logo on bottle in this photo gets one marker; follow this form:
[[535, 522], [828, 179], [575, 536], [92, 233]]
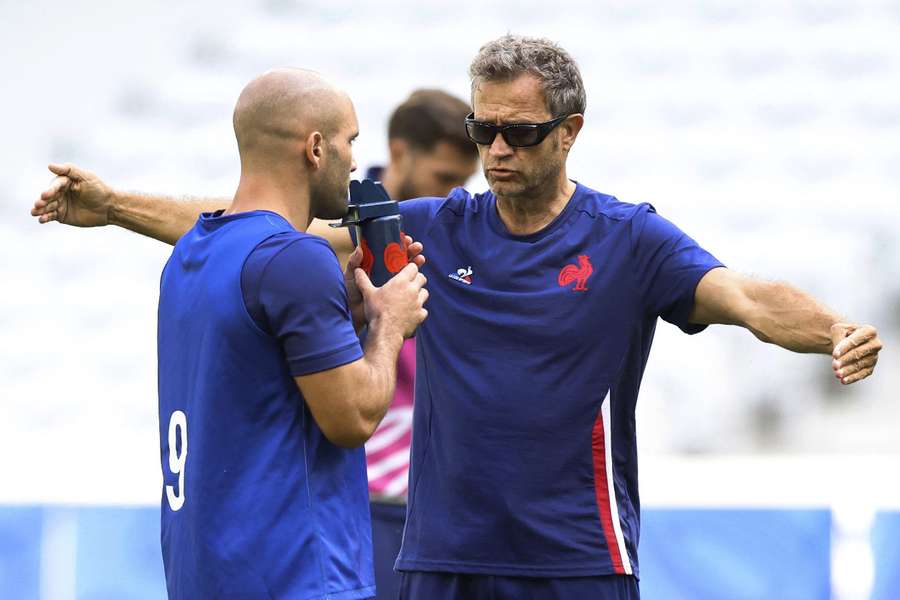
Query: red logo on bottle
[[394, 257], [368, 259], [577, 274]]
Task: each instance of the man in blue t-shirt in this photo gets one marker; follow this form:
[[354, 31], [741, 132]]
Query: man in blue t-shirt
[[544, 300], [265, 395]]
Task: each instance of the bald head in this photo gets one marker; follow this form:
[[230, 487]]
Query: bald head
[[295, 133], [278, 110]]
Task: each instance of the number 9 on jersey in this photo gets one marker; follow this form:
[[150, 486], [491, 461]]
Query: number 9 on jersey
[[177, 457]]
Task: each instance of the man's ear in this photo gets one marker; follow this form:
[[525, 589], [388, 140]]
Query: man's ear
[[315, 149], [399, 150], [570, 128]]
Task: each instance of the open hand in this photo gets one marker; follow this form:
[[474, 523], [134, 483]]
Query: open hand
[[75, 197], [856, 349]]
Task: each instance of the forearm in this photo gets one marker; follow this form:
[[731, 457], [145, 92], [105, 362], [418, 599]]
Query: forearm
[[783, 315], [381, 351], [161, 217]]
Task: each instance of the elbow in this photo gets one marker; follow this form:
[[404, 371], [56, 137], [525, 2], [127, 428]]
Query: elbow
[[350, 433]]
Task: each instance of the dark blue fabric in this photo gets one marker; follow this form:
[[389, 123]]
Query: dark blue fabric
[[454, 586], [271, 508], [387, 533], [292, 292], [514, 365]]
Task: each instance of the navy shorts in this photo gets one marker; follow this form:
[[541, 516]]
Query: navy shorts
[[387, 533], [418, 585]]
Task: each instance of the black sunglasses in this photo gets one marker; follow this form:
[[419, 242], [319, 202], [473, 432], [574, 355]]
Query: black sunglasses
[[517, 135]]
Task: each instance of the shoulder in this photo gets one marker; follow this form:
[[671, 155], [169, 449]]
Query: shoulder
[[289, 255], [458, 202], [598, 204], [420, 214], [294, 244]]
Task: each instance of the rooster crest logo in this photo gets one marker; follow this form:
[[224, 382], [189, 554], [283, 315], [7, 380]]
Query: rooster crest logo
[[577, 274]]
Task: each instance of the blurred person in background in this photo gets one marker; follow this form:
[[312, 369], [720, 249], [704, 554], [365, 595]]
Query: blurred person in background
[[429, 155], [545, 296]]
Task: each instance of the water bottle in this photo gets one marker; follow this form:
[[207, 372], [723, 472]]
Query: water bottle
[[377, 228]]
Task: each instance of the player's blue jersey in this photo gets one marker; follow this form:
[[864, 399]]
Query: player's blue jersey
[[257, 503], [528, 367]]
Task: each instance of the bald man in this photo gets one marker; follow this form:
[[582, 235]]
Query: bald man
[[265, 395]]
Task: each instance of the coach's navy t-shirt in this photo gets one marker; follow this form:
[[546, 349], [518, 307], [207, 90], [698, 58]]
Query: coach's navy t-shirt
[[256, 502], [523, 456]]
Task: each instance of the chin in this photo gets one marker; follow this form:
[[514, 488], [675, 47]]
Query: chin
[[335, 213], [505, 188]]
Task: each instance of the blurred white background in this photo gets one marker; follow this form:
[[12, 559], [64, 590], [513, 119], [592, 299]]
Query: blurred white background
[[767, 130]]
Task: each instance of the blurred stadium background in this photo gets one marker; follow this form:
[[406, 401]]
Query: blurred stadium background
[[768, 130]]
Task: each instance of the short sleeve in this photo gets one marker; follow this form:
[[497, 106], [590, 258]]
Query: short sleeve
[[668, 267], [294, 290], [418, 214]]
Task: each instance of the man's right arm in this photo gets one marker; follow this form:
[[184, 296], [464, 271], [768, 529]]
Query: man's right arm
[[349, 401]]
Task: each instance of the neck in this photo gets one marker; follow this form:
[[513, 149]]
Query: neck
[[290, 199], [534, 209]]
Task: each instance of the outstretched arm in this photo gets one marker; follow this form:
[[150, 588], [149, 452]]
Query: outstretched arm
[[80, 198], [780, 314]]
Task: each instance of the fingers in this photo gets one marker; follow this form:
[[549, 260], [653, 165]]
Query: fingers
[[852, 337], [838, 332], [414, 251], [58, 186], [46, 207], [66, 170], [41, 207], [423, 296], [420, 280], [861, 357], [858, 376], [47, 217], [860, 352], [864, 363], [409, 272], [855, 352], [363, 283], [355, 259]]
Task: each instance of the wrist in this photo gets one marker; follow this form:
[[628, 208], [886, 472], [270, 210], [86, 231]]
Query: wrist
[[386, 330], [115, 206]]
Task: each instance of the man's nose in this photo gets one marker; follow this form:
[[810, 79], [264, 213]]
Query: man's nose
[[499, 147]]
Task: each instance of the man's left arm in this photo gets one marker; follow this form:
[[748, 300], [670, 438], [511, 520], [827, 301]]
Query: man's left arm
[[780, 314]]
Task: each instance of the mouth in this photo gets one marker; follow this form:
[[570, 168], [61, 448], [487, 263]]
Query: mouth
[[500, 173]]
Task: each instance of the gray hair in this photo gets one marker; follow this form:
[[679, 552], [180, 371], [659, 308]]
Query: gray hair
[[510, 56]]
